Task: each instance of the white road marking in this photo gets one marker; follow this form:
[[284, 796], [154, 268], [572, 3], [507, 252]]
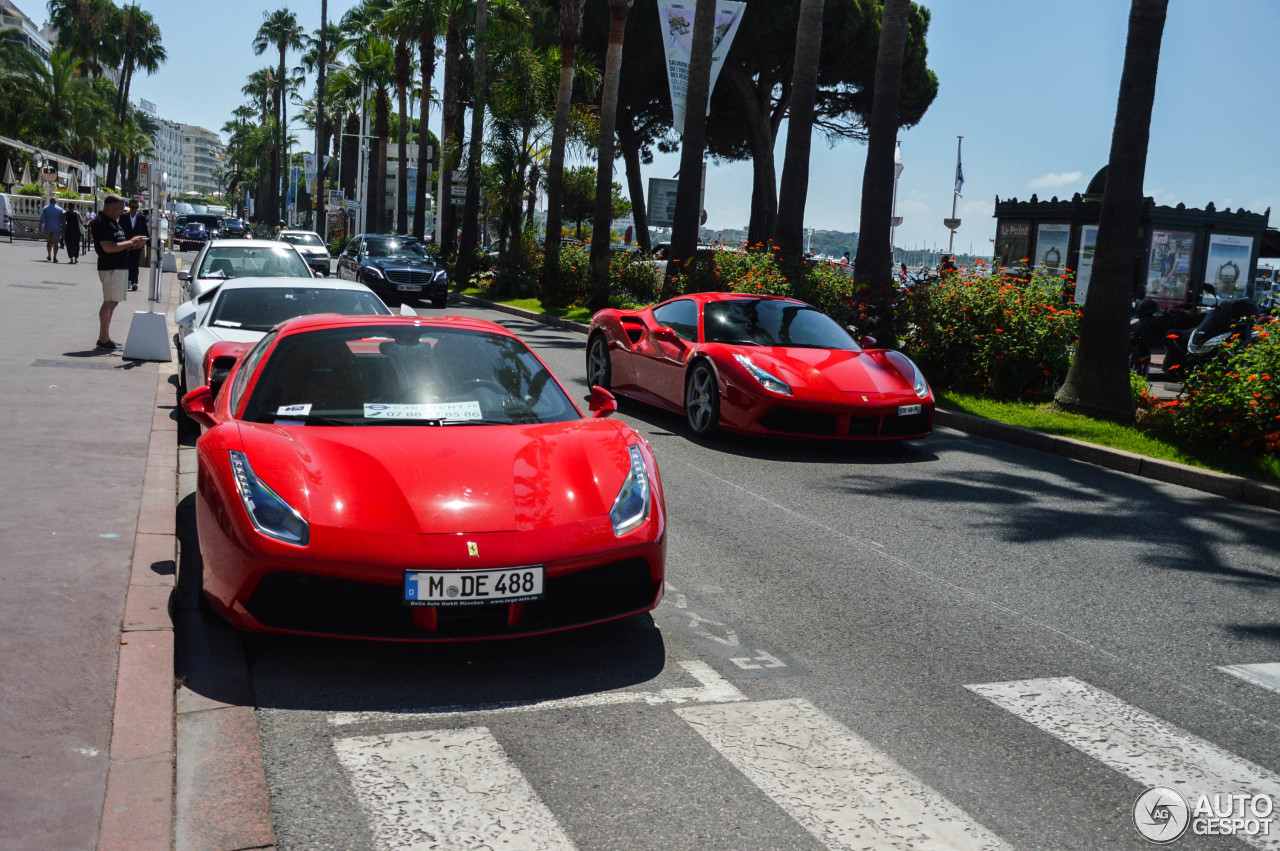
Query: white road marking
[[712, 688], [762, 659], [1134, 742], [441, 789], [839, 787], [1266, 674]]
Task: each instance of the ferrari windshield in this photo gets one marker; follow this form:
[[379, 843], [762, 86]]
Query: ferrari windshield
[[771, 322], [395, 247], [263, 308], [405, 375], [266, 261]]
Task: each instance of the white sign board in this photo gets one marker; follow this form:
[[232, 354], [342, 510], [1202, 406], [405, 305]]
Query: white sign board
[[662, 202]]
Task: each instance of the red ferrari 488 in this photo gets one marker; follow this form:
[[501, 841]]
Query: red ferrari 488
[[403, 478], [758, 365]]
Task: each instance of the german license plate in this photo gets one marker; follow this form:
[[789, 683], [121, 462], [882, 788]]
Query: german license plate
[[408, 288], [472, 587], [908, 410]]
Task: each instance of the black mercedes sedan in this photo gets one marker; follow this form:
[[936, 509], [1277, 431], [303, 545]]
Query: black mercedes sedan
[[397, 268]]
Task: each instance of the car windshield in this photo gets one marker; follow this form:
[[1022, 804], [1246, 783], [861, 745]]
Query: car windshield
[[400, 249], [263, 308], [302, 239], [406, 375], [769, 322], [268, 261]]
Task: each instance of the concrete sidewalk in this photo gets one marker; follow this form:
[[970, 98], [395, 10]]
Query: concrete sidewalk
[[87, 493]]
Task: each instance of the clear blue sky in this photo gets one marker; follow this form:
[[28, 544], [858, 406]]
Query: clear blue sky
[[1030, 84]]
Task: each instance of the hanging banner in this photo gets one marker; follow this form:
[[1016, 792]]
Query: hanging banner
[[1084, 266], [676, 19], [1227, 266], [309, 167]]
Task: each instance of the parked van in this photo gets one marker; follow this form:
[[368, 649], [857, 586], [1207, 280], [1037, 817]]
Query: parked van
[[6, 223]]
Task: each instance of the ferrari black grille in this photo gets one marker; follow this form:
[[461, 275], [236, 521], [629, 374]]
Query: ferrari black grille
[[798, 421], [910, 424]]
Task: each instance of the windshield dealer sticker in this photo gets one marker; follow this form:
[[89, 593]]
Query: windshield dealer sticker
[[294, 410], [441, 411]]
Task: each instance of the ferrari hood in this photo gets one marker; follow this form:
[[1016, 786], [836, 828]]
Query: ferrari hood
[[442, 479], [832, 370]]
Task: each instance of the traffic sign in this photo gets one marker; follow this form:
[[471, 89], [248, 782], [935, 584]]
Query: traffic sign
[[951, 224]]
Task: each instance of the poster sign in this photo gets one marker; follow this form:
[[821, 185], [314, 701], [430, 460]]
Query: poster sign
[[1169, 266], [662, 202], [309, 167], [1227, 266], [676, 18], [1084, 266], [1051, 247], [1013, 240]]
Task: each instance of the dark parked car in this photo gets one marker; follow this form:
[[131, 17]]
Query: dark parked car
[[395, 267], [192, 235], [235, 229]]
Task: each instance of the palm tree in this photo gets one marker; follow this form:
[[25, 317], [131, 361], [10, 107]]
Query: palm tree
[[83, 27], [324, 49], [471, 209], [373, 66], [1097, 383], [599, 296], [280, 30], [684, 229], [453, 12], [419, 22], [795, 169], [570, 34], [875, 252], [403, 72], [139, 43]]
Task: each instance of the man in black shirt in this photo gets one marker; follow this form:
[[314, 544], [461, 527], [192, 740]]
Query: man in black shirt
[[113, 247], [134, 223]]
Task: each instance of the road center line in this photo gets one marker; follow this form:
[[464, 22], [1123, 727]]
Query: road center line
[[839, 787], [712, 688]]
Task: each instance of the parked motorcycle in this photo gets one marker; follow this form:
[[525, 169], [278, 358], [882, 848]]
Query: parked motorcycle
[[1150, 327], [1230, 319]]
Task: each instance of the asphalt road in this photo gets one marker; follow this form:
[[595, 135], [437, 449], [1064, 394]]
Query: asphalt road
[[842, 661]]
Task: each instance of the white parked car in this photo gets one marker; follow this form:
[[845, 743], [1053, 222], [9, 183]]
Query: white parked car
[[224, 259], [243, 310]]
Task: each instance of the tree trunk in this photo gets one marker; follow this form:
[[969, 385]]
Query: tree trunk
[[448, 134], [350, 155], [403, 65], [875, 250], [471, 212], [635, 182], [322, 130], [427, 61], [684, 231], [762, 130], [375, 216], [601, 230], [570, 33], [1097, 383], [795, 169], [122, 108], [532, 190]]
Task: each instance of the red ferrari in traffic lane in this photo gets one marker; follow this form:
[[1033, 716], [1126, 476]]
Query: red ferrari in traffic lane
[[758, 365], [404, 478]]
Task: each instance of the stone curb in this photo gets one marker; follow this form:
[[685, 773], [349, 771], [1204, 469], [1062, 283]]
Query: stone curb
[[1219, 484], [1209, 481]]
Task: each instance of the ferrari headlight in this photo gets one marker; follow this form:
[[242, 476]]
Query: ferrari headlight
[[631, 508], [918, 383], [271, 515], [767, 380]]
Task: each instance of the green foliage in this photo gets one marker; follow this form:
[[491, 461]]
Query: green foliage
[[580, 197], [997, 335], [32, 190], [1233, 400], [339, 245], [68, 193]]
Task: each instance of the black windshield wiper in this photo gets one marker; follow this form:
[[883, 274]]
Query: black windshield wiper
[[308, 419], [738, 342]]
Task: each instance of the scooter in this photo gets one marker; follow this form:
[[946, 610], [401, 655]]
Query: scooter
[[1150, 327], [1230, 319]]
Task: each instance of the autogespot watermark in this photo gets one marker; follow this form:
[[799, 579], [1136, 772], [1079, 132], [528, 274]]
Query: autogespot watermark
[[1162, 814]]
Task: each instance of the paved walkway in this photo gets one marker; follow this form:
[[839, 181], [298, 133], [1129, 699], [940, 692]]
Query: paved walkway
[[88, 452]]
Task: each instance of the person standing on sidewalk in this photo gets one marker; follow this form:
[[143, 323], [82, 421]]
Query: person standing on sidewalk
[[73, 231], [134, 223], [113, 249], [51, 218]]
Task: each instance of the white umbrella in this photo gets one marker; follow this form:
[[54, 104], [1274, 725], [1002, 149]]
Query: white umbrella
[[8, 172], [26, 175]]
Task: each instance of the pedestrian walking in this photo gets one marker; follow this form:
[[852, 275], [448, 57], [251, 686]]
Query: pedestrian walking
[[134, 224], [89, 216], [51, 220], [73, 234], [113, 249]]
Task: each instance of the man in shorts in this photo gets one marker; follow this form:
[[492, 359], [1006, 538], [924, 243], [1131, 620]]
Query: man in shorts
[[52, 218], [113, 249]]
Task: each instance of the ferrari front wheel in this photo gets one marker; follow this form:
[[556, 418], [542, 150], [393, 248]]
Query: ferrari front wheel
[[599, 370], [702, 400]]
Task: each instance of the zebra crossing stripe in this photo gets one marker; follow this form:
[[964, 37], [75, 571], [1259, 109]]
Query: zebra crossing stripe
[[1134, 742], [451, 788], [1266, 675], [840, 788]]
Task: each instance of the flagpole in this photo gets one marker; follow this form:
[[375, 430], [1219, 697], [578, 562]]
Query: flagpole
[[954, 196]]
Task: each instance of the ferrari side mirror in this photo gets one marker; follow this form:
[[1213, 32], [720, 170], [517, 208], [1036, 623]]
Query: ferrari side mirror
[[198, 404], [869, 342], [602, 402], [666, 334]]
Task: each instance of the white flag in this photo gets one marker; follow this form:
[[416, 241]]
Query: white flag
[[959, 170], [897, 161]]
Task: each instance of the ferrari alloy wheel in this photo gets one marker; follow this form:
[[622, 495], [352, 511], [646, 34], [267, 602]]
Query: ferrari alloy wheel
[[598, 366], [702, 400]]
